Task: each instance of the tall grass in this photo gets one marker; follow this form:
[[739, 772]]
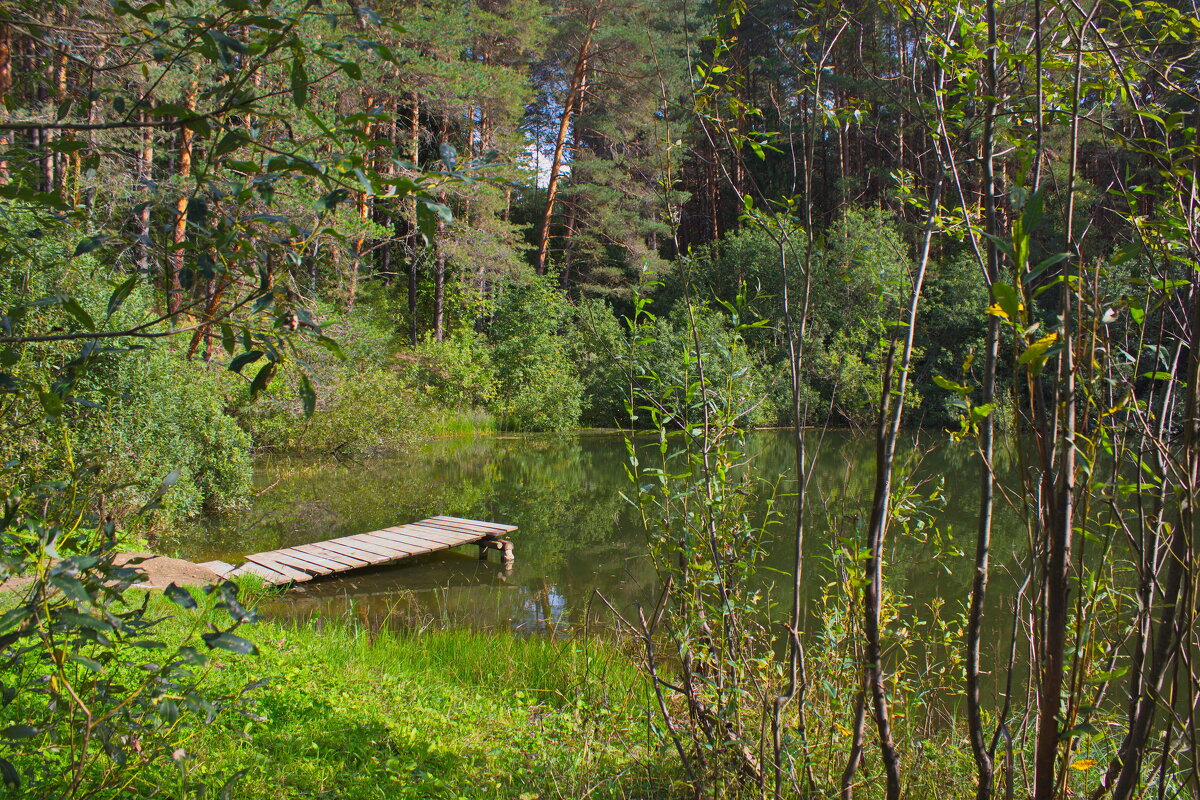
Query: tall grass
[[353, 711]]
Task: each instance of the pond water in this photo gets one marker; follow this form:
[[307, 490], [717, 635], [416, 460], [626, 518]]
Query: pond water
[[579, 538]]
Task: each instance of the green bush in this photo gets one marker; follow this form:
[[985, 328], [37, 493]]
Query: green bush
[[363, 403], [666, 350], [537, 385], [166, 413], [456, 374], [599, 348]]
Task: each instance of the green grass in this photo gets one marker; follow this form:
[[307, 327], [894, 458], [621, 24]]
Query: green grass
[[453, 714], [452, 422]]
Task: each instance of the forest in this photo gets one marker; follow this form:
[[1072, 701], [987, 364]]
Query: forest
[[236, 230]]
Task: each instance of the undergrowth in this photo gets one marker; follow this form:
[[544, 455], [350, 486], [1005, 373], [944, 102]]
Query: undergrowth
[[351, 713]]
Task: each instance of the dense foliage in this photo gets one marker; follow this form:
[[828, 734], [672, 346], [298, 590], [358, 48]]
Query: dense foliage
[[239, 225]]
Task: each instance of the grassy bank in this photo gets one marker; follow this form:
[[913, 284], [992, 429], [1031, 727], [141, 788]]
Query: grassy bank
[[351, 713]]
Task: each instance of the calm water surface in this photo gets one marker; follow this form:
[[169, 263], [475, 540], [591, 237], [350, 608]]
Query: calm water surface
[[579, 538]]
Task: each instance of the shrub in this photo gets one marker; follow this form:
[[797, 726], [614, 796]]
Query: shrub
[[537, 386], [456, 374], [166, 413], [599, 348]]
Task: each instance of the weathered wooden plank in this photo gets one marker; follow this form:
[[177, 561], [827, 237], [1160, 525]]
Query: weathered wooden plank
[[383, 549], [457, 527], [366, 555], [347, 562], [478, 522], [453, 527], [296, 562], [269, 575], [265, 560], [421, 544], [301, 562], [442, 539], [446, 533], [377, 537], [220, 567], [323, 564]]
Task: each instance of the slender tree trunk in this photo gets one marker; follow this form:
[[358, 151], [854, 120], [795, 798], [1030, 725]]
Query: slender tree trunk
[[439, 283], [1052, 665], [570, 106], [439, 277], [174, 288], [145, 166], [891, 413], [984, 768], [5, 85], [414, 155], [1176, 605], [568, 249]]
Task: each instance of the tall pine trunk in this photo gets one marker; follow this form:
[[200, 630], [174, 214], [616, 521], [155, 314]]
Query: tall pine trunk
[[174, 289], [570, 107]]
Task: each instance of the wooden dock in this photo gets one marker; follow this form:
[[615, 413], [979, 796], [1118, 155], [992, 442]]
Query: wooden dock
[[304, 562]]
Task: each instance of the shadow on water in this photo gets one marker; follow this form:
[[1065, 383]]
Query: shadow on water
[[578, 535]]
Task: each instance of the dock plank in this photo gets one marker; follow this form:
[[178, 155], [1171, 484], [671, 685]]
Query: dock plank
[[269, 575], [445, 538], [450, 527], [366, 555], [298, 563], [265, 560], [220, 567], [363, 543], [375, 537], [325, 565], [478, 523], [347, 562], [303, 562], [423, 544]]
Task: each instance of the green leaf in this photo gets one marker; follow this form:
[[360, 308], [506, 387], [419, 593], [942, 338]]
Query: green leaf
[[307, 395], [190, 655], [1045, 264], [982, 412], [169, 711], [331, 345], [84, 621], [230, 642], [19, 732], [11, 617], [329, 202], [72, 307], [230, 142], [227, 41], [88, 663], [263, 379], [299, 83], [89, 244], [120, 294], [951, 386], [67, 145], [429, 214], [244, 360], [71, 587], [179, 596], [155, 500], [9, 772], [1006, 298], [1035, 355]]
